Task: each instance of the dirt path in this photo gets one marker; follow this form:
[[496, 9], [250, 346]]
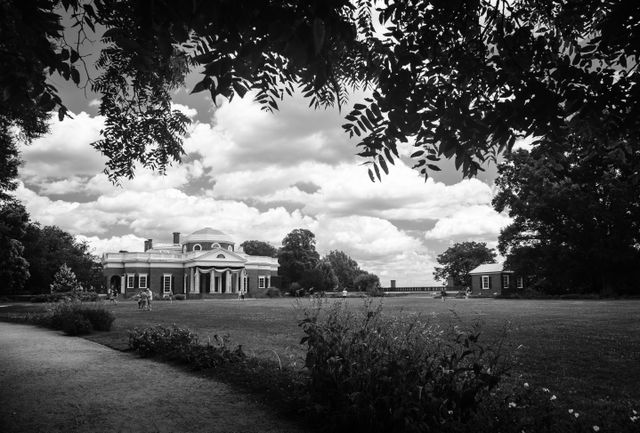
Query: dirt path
[[53, 383]]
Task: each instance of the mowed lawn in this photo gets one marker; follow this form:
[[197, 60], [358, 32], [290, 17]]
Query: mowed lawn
[[586, 351]]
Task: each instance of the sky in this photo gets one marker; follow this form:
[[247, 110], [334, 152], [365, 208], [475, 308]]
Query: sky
[[258, 175]]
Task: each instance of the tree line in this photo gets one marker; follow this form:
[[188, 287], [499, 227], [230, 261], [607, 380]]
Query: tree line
[[303, 270], [30, 254]]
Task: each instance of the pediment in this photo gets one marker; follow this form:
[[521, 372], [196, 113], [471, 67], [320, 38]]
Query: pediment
[[218, 255]]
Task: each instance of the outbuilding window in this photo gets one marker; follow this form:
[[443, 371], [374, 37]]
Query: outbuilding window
[[520, 282], [142, 281], [261, 282], [485, 282], [131, 281], [505, 281]]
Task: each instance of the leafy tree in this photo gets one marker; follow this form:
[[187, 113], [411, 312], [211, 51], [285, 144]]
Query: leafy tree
[[576, 216], [459, 259], [14, 269], [259, 248], [463, 79], [64, 281], [345, 268], [321, 278], [298, 255], [367, 282], [48, 248]]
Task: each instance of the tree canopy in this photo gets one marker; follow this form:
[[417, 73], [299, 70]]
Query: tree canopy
[[298, 255], [346, 269], [14, 269], [259, 248], [461, 79], [459, 259], [576, 216], [47, 248]]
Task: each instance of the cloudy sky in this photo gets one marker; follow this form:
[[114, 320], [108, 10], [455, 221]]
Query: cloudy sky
[[257, 175]]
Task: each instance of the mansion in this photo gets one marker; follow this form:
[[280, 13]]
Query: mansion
[[204, 264]]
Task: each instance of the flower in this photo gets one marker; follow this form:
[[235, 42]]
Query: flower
[[545, 389], [526, 385], [450, 412], [596, 428], [512, 404], [553, 397], [576, 414], [634, 411], [633, 418], [570, 410]]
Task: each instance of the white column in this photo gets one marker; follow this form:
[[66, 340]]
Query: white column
[[191, 280], [212, 282], [241, 276], [122, 278], [228, 275], [184, 283], [197, 284]]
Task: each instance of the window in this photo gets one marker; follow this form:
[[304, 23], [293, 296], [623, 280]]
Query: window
[[166, 283], [261, 282], [485, 282], [220, 256], [505, 281], [216, 245], [230, 248], [131, 281], [520, 282], [142, 281], [197, 247]]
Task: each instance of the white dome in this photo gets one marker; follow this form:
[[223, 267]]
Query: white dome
[[208, 234]]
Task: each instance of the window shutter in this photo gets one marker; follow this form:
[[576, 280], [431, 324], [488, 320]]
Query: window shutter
[[490, 281]]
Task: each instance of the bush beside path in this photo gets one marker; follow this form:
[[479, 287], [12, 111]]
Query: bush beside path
[[50, 382]]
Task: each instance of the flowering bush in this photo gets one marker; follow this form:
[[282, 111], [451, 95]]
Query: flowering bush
[[370, 373], [525, 408], [180, 344]]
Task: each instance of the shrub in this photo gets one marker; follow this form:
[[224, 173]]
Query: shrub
[[71, 316], [100, 319], [273, 292], [76, 324], [88, 296], [179, 297], [180, 344], [374, 374]]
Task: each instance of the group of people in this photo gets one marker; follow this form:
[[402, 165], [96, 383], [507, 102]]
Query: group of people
[[144, 298]]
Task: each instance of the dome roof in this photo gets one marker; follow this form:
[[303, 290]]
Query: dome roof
[[208, 234]]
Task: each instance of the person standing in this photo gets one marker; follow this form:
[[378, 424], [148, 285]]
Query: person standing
[[149, 298]]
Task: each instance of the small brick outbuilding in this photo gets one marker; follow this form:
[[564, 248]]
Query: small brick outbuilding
[[491, 279]]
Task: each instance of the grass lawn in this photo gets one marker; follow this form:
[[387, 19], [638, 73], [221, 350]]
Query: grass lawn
[[587, 352]]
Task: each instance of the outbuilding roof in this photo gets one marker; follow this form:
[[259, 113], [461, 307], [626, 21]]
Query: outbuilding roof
[[488, 268]]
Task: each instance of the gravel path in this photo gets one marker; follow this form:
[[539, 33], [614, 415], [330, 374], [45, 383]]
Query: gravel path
[[53, 383]]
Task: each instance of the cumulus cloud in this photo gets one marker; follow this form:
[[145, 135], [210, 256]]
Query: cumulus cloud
[[475, 222], [65, 151]]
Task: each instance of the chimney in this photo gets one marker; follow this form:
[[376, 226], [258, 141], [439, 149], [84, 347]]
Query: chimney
[[146, 245], [150, 243], [176, 238]]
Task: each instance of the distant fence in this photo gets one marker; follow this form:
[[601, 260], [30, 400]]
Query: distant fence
[[417, 289]]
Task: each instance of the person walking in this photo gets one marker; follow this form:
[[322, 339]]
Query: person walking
[[443, 294]]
